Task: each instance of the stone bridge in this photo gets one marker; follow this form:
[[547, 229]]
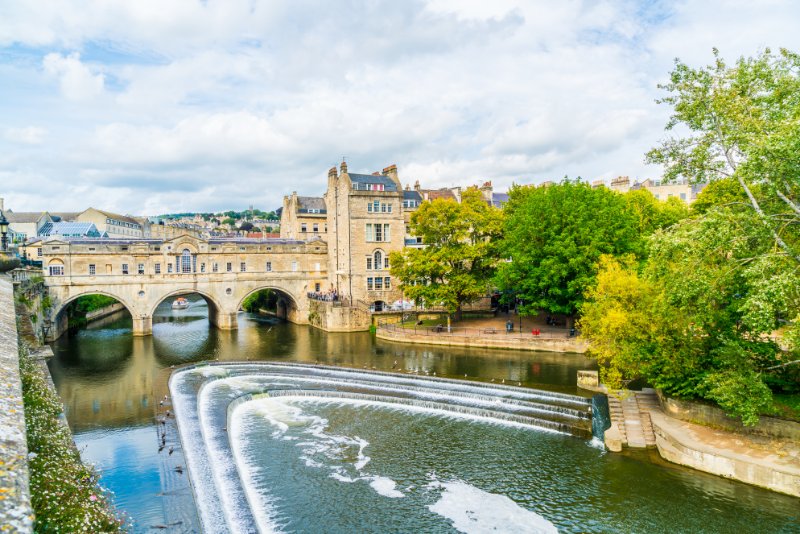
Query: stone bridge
[[142, 273]]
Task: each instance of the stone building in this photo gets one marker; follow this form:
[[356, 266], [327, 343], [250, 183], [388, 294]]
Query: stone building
[[115, 225], [681, 189], [304, 217]]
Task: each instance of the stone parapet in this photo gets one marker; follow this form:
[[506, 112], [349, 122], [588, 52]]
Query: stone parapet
[[16, 514]]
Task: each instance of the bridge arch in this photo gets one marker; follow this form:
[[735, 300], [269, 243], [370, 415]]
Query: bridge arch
[[61, 306], [213, 304], [288, 304]]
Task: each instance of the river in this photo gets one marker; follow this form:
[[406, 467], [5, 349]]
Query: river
[[112, 383]]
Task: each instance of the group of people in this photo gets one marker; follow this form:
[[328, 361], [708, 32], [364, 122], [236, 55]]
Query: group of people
[[330, 295]]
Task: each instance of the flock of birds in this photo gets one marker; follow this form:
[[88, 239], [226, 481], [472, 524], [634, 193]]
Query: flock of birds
[[162, 430]]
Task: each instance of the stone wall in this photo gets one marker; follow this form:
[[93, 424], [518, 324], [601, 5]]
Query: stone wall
[[325, 316], [708, 415], [15, 506], [574, 345]]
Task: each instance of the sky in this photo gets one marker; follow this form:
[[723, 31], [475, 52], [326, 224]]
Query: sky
[[152, 106]]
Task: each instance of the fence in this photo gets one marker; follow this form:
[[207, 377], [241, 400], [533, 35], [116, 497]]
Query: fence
[[441, 331]]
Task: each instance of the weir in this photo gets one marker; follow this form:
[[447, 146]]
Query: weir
[[209, 398]]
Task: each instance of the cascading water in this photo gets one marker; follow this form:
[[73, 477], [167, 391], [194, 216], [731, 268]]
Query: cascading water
[[237, 419]]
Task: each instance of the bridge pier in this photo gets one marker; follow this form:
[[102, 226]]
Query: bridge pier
[[223, 320], [142, 325]]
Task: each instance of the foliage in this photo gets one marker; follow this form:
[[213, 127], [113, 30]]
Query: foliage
[[723, 193], [554, 237], [460, 259], [64, 492], [264, 299], [246, 226], [229, 221], [8, 264], [652, 214], [697, 322], [743, 124], [89, 303]]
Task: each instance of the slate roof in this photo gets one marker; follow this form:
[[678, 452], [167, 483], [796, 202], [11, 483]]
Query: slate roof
[[412, 195], [64, 216], [441, 193], [118, 217], [498, 199], [22, 216], [311, 203], [388, 183]]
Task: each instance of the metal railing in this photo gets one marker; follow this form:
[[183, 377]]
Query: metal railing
[[441, 330]]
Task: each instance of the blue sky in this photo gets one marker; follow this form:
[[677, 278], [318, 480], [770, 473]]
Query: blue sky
[[149, 106]]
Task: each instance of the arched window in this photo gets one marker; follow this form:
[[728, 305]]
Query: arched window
[[377, 261], [186, 261]]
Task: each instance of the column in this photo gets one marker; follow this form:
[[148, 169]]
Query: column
[[142, 325]]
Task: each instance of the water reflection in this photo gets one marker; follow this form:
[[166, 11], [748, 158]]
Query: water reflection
[[108, 378]]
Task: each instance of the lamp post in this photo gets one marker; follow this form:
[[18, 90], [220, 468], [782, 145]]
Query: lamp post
[[3, 232]]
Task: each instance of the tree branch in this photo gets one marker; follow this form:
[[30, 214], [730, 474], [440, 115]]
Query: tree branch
[[788, 201]]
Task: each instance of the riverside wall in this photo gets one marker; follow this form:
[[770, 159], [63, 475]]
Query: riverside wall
[[16, 514]]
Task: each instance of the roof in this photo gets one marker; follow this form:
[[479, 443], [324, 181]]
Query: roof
[[441, 193], [64, 216], [498, 199], [387, 182], [311, 203], [118, 217], [23, 216], [69, 228], [412, 195]]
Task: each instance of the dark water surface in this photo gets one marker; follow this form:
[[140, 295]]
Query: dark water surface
[[111, 384]]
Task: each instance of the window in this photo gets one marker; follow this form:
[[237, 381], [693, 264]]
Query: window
[[370, 283], [378, 260], [377, 232], [387, 283], [325, 228], [202, 267], [683, 196], [315, 227], [92, 270], [243, 267], [39, 252], [386, 261], [186, 261], [369, 263], [169, 267], [229, 267], [158, 268], [214, 267], [294, 266], [91, 249], [303, 228], [56, 270], [317, 287], [124, 268], [140, 268], [269, 266], [378, 283]]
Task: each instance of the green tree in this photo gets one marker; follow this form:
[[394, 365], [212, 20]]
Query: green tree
[[246, 226], [698, 323], [459, 259], [743, 125], [554, 237], [229, 222], [723, 193]]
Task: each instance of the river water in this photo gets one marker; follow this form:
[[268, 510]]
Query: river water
[[424, 471]]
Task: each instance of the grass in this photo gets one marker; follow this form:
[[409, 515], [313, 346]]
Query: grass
[[787, 405], [65, 494]]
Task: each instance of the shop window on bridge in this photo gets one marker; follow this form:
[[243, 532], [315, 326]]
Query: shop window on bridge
[[169, 268], [39, 252], [202, 267], [229, 267], [269, 266], [57, 270], [140, 268], [158, 268], [243, 267], [215, 267], [294, 266], [124, 268], [92, 269]]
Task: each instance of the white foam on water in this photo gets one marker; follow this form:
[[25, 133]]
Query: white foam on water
[[385, 486], [597, 443], [474, 511]]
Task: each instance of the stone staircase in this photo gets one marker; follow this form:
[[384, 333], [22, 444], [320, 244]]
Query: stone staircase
[[631, 414]]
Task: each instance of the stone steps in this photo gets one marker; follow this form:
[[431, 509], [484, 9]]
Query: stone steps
[[632, 416]]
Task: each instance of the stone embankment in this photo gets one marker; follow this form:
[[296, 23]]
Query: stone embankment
[[16, 514], [767, 455], [485, 338]]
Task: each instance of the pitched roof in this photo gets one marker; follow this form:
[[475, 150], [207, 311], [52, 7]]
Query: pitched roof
[[498, 199], [23, 216], [412, 195], [64, 216], [69, 229], [441, 193], [118, 217], [388, 183]]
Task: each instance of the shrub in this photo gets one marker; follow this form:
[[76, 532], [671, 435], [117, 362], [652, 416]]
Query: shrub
[[7, 264]]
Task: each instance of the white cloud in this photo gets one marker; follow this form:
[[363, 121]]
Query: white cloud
[[217, 104], [28, 135], [76, 80]]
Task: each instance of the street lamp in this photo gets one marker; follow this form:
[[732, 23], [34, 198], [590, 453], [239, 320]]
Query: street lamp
[[3, 232]]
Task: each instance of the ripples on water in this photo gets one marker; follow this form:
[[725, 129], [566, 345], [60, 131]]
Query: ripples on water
[[110, 383]]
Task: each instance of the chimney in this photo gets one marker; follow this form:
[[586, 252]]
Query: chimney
[[332, 173], [408, 188], [416, 185], [391, 172], [343, 167]]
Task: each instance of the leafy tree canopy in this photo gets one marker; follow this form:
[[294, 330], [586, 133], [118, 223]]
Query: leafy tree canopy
[[246, 226], [554, 237], [459, 259], [743, 126]]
